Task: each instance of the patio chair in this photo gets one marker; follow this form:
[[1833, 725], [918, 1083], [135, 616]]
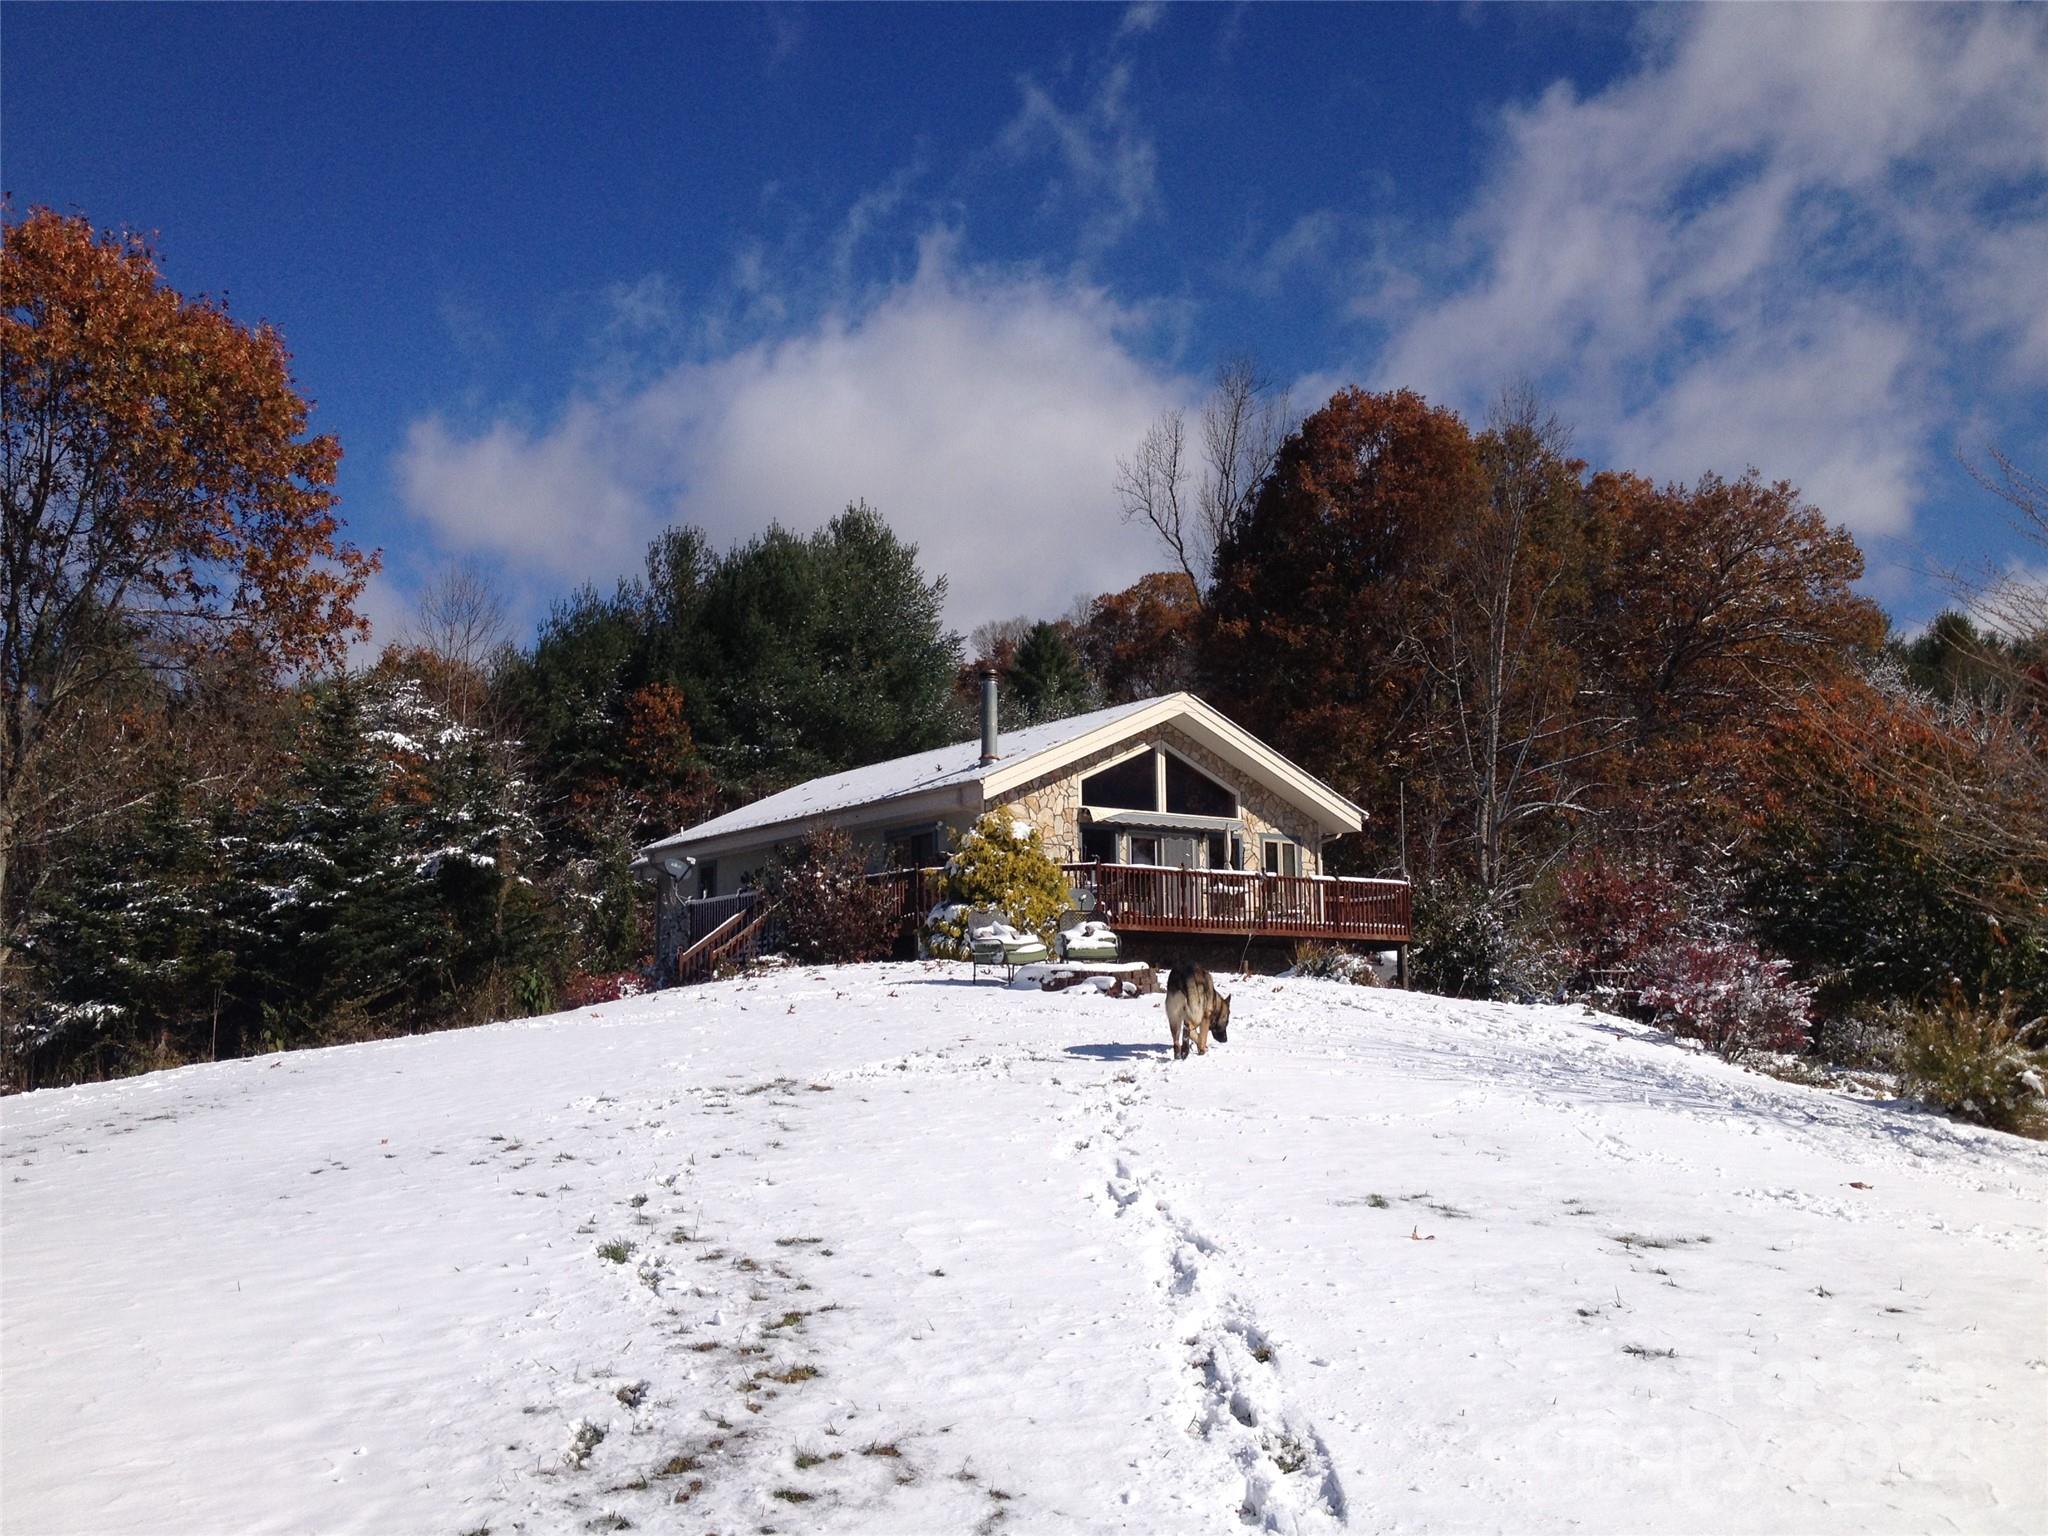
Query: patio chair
[[994, 943], [1090, 941]]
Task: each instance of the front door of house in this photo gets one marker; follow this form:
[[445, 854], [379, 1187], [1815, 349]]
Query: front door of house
[[1177, 850]]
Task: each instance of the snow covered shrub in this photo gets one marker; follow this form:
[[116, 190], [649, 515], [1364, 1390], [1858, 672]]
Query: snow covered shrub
[[1000, 865], [1725, 993], [1463, 945], [829, 912], [1868, 1039], [1324, 962], [1332, 962], [1979, 1061]]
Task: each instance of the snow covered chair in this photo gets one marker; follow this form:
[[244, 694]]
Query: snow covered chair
[[991, 941], [1090, 942]]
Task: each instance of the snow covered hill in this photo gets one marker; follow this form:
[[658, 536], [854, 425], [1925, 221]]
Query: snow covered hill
[[878, 1250]]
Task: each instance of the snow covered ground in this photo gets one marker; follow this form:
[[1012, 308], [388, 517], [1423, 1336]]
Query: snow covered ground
[[878, 1250]]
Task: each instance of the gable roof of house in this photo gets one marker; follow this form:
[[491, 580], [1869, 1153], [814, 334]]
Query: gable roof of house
[[1028, 754]]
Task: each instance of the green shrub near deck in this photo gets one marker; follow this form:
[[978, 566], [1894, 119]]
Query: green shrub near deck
[[994, 868]]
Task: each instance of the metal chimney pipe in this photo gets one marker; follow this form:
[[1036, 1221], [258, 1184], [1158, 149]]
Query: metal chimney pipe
[[988, 716]]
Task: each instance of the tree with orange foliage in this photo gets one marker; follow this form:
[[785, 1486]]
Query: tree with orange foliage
[[1140, 642], [1892, 847], [670, 782], [161, 502], [1718, 601]]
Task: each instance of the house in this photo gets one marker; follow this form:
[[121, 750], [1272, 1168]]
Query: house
[[1170, 818]]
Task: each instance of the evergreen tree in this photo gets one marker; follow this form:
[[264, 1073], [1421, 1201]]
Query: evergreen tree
[[337, 915], [1047, 678], [1953, 657], [1000, 865], [131, 947], [821, 653], [468, 836], [786, 657]]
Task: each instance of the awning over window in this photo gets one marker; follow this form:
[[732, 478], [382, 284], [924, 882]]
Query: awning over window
[[1166, 820]]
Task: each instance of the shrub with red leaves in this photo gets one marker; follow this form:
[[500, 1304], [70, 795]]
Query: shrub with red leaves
[[1609, 915], [1726, 994], [831, 913], [586, 989]]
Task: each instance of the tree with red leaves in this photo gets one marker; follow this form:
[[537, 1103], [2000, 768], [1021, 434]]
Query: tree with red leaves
[[1319, 584]]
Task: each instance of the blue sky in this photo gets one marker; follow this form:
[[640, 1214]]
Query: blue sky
[[557, 276]]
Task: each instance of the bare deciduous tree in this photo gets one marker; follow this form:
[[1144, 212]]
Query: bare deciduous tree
[[1973, 764], [459, 620], [1994, 786], [1489, 637], [1190, 505], [998, 638]]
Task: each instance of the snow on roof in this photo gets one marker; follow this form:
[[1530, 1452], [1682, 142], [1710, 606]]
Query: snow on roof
[[937, 769]]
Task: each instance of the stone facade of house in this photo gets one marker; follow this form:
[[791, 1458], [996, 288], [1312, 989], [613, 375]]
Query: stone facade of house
[[1053, 804]]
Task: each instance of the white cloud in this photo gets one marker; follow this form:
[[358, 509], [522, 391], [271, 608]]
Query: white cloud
[[2001, 290], [1764, 245], [390, 612], [2011, 600], [865, 218], [1302, 249], [1140, 18], [562, 499], [1827, 399], [1109, 166], [981, 413]]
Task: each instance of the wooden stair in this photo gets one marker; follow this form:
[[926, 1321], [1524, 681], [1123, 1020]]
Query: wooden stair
[[738, 937]]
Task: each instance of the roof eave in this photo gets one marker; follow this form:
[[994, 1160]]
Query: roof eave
[[1329, 806], [893, 808]]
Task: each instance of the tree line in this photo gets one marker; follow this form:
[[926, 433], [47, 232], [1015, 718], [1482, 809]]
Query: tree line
[[1629, 738]]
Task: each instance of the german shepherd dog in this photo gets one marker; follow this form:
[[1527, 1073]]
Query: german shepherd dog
[[1195, 1010]]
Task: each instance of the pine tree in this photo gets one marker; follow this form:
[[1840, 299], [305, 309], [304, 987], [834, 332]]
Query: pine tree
[[336, 914], [1047, 679], [468, 838], [131, 946]]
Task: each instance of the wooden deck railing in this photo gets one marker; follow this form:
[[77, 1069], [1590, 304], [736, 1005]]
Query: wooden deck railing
[[1131, 898], [1145, 899], [1135, 898], [742, 944], [912, 892]]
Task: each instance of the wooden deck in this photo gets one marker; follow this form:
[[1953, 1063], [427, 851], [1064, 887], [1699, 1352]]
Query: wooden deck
[[1134, 898], [1142, 899]]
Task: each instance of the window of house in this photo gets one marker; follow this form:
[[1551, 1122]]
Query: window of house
[[1098, 843], [1144, 850], [1282, 857], [1131, 785], [1191, 792], [707, 877], [913, 847]]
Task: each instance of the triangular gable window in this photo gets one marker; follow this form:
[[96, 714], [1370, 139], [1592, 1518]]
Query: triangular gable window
[[1131, 785], [1191, 792]]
